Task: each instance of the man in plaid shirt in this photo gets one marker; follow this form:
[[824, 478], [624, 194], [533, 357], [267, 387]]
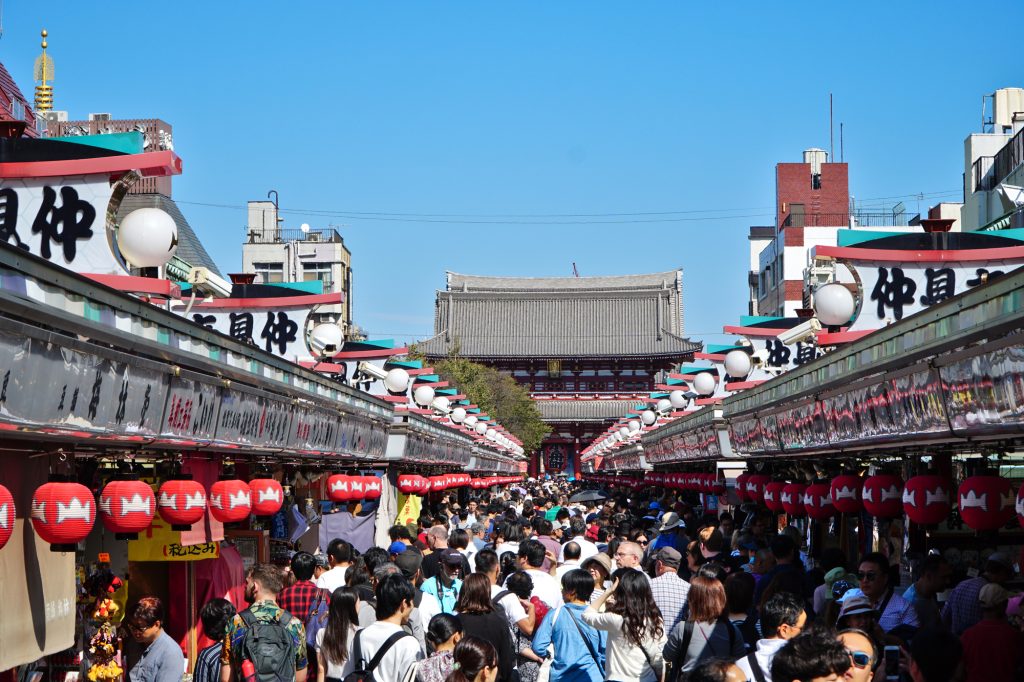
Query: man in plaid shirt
[[298, 599], [670, 591]]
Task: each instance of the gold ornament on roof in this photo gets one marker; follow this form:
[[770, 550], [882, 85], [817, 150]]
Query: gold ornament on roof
[[44, 74]]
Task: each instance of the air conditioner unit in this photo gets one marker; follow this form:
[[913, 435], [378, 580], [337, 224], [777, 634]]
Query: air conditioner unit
[[100, 117], [56, 116]]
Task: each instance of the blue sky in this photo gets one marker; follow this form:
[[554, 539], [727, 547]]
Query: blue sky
[[530, 108]]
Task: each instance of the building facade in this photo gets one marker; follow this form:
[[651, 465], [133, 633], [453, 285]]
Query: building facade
[[276, 254], [993, 159], [587, 348]]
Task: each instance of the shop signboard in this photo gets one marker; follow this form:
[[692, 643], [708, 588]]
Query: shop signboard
[[252, 418], [191, 411], [985, 392], [160, 543]]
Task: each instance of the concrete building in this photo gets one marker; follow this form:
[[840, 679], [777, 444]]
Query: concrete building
[[992, 158], [275, 254], [813, 203]]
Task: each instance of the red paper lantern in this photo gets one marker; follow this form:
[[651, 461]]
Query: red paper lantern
[[6, 515], [230, 501], [818, 501], [882, 496], [371, 487], [127, 507], [357, 488], [846, 493], [338, 489], [986, 502], [267, 496], [437, 483], [181, 503], [63, 514], [926, 499], [741, 486], [773, 495], [409, 484], [755, 487]]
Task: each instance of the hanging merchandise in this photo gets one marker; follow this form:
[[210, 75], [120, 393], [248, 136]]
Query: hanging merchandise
[[7, 515], [103, 645], [266, 496], [127, 508], [882, 496], [63, 514], [926, 499], [773, 495], [181, 503], [846, 493], [230, 500], [818, 501], [986, 502]]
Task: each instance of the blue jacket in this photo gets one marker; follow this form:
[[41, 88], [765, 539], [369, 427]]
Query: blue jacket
[[573, 661]]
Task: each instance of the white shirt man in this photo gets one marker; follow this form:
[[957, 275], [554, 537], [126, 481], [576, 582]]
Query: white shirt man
[[587, 548], [404, 653], [782, 618]]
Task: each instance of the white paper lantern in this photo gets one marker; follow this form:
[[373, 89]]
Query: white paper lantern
[[834, 304], [440, 403], [423, 395], [480, 428], [397, 380], [737, 363], [147, 237], [678, 399], [325, 340], [704, 383], [490, 434], [624, 432], [471, 421], [458, 415], [649, 417], [634, 425]]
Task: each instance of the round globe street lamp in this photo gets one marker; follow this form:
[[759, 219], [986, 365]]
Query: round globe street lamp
[[458, 415], [147, 237], [423, 395], [649, 417], [471, 422], [396, 380], [704, 383], [678, 399], [737, 363], [325, 340], [834, 305]]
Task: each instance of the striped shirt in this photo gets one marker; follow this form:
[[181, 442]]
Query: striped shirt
[[208, 664]]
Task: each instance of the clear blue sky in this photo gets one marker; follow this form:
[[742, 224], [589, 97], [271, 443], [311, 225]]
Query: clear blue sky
[[525, 108]]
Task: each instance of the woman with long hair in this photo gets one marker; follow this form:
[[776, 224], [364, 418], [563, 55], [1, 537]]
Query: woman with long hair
[[443, 633], [707, 633], [481, 619], [636, 631], [334, 641], [475, 661]]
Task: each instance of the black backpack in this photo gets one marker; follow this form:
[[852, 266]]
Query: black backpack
[[269, 646], [364, 673]]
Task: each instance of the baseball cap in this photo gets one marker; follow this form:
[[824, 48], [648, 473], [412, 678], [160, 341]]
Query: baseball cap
[[409, 562], [992, 595], [856, 605], [397, 547], [451, 556], [668, 556], [1001, 559]]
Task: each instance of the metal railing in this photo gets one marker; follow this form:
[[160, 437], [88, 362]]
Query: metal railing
[[259, 236], [881, 219], [1009, 157]]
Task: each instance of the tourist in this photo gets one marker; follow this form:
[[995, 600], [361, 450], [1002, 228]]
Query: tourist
[[334, 641], [578, 534], [548, 535], [782, 619], [215, 616], [572, 560], [863, 653], [262, 585], [446, 584], [475, 661], [481, 619], [161, 659], [395, 596], [303, 596], [668, 588], [717, 670], [527, 663], [739, 606], [706, 633], [933, 576], [786, 559], [478, 533], [814, 656], [530, 559], [600, 568], [962, 608], [993, 649], [636, 632], [577, 648], [443, 633], [896, 615], [833, 567], [519, 611], [437, 540], [936, 655], [670, 533], [339, 556], [629, 555]]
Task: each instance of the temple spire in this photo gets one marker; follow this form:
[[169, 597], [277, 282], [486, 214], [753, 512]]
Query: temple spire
[[44, 75]]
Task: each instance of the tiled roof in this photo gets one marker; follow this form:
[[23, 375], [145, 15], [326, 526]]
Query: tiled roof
[[560, 317], [190, 249], [10, 92], [564, 410]]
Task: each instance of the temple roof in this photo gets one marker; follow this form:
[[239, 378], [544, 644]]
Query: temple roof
[[584, 410], [560, 317]]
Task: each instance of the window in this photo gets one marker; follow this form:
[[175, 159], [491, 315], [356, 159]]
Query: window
[[314, 271], [815, 180], [269, 272]]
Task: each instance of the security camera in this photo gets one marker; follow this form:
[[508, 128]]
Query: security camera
[[805, 331], [208, 283]]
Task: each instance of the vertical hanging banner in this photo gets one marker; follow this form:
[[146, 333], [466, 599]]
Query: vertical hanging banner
[[409, 506]]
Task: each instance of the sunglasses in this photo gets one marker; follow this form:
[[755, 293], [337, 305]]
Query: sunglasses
[[642, 543], [860, 659], [867, 575]]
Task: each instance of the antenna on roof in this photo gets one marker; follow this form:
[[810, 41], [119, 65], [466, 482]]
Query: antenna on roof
[[575, 272]]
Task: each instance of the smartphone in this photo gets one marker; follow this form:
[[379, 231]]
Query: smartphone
[[892, 663]]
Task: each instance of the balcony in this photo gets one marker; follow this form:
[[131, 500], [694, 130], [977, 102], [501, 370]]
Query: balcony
[[989, 171], [326, 236], [881, 219]]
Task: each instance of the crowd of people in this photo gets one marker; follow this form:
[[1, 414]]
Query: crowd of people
[[526, 586]]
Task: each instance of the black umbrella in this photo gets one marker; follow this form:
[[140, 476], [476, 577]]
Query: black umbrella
[[588, 496]]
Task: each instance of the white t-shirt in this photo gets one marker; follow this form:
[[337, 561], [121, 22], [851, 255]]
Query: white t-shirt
[[428, 608], [546, 588], [587, 549], [565, 568], [334, 670], [507, 547], [514, 610], [332, 579], [397, 661]]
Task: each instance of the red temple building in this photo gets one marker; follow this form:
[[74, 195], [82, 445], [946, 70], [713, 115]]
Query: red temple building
[[588, 348]]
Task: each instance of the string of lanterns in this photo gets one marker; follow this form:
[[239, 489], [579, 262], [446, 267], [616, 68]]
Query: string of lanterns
[[413, 484]]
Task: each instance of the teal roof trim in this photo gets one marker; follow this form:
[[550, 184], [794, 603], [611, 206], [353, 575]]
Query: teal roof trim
[[752, 320], [126, 143]]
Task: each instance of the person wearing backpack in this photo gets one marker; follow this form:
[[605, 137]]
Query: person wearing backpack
[[264, 642], [334, 641], [384, 651], [782, 618], [307, 602]]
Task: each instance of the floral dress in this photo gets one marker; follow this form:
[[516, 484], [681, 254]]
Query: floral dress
[[435, 668]]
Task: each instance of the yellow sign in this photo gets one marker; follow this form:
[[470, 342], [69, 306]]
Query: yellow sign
[[160, 543], [408, 509]]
